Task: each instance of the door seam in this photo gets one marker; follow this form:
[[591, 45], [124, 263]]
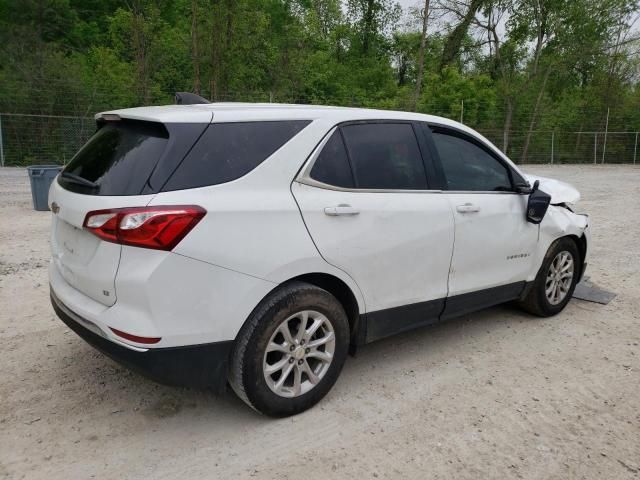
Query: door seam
[[364, 303]]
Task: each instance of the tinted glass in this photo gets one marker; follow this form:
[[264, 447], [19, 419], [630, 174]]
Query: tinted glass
[[332, 165], [227, 151], [385, 156], [469, 167], [118, 159]]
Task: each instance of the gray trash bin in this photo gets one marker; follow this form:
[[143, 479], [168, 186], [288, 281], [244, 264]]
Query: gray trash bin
[[41, 177]]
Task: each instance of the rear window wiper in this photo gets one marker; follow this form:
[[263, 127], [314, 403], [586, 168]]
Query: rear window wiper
[[78, 179]]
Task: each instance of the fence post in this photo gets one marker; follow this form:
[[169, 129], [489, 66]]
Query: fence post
[[606, 130], [595, 147], [2, 145], [635, 149], [553, 138], [462, 111]]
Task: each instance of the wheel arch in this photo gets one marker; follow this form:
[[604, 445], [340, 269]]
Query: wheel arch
[[581, 243], [344, 293], [339, 289]]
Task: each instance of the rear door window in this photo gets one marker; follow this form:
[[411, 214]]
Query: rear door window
[[385, 156], [227, 151], [117, 160]]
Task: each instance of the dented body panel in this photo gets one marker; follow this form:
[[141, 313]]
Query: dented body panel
[[560, 222], [561, 192]]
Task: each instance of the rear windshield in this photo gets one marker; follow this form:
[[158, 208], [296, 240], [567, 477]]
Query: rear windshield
[[130, 157], [117, 160], [227, 151]]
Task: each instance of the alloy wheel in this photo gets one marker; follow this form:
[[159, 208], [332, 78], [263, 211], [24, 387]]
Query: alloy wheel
[[559, 277], [299, 353]]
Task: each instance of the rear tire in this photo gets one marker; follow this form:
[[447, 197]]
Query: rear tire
[[556, 280], [281, 369]]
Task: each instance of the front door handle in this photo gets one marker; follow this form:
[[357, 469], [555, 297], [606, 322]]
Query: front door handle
[[468, 208], [341, 209]]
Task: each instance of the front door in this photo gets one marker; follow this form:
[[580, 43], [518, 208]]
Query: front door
[[494, 245]]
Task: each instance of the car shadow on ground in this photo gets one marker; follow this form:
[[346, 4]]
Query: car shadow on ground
[[90, 378]]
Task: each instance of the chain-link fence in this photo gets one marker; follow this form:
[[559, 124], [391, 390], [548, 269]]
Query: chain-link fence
[[27, 139], [567, 147], [42, 139]]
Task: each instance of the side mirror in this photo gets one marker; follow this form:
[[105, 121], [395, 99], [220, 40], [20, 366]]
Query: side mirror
[[538, 204]]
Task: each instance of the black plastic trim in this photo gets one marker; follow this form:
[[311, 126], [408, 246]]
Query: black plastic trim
[[188, 98], [390, 321], [376, 325], [198, 366], [470, 302], [439, 181]]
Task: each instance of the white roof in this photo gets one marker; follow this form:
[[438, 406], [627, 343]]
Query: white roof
[[235, 112]]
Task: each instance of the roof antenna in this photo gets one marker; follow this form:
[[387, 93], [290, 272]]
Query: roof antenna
[[187, 98]]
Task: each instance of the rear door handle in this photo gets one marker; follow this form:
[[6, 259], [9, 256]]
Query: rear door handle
[[341, 209], [468, 208]]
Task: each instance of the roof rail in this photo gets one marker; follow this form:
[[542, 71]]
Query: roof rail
[[187, 98]]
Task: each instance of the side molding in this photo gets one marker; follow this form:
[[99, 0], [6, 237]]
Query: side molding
[[380, 324]]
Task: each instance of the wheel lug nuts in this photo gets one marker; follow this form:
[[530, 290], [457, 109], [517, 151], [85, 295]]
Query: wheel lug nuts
[[292, 348], [291, 360], [299, 362], [301, 342], [307, 350]]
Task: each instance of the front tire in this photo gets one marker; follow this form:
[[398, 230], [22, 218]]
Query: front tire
[[556, 280], [290, 351]]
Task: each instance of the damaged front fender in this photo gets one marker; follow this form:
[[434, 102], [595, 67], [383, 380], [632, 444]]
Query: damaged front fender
[[561, 192], [561, 222]]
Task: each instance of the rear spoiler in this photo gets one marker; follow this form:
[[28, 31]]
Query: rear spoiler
[[187, 98]]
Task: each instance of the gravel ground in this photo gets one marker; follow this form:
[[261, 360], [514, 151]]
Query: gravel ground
[[495, 394]]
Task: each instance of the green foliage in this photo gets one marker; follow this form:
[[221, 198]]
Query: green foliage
[[552, 65]]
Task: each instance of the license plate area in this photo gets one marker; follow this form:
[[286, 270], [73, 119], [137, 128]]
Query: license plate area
[[75, 246]]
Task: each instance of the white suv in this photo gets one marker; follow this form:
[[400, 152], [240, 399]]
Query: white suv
[[258, 244]]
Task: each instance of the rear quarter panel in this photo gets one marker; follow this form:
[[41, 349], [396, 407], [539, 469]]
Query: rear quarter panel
[[253, 224]]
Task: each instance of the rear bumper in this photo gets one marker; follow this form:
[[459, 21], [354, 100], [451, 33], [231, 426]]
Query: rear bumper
[[199, 366]]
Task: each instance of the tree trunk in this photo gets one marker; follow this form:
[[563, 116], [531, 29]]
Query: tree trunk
[[368, 26], [541, 33], [506, 129], [195, 56], [402, 71], [228, 50], [214, 57], [140, 49], [534, 116], [453, 43], [423, 44]]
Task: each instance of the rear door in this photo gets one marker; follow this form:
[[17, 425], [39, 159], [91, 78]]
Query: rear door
[[366, 200], [112, 170]]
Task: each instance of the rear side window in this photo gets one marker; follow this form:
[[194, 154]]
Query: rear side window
[[227, 151], [332, 165], [385, 156], [468, 167], [117, 160]]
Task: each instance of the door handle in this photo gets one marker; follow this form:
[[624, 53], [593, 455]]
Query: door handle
[[468, 208], [341, 209]]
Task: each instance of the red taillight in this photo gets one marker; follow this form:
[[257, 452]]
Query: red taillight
[[135, 338], [160, 228]]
